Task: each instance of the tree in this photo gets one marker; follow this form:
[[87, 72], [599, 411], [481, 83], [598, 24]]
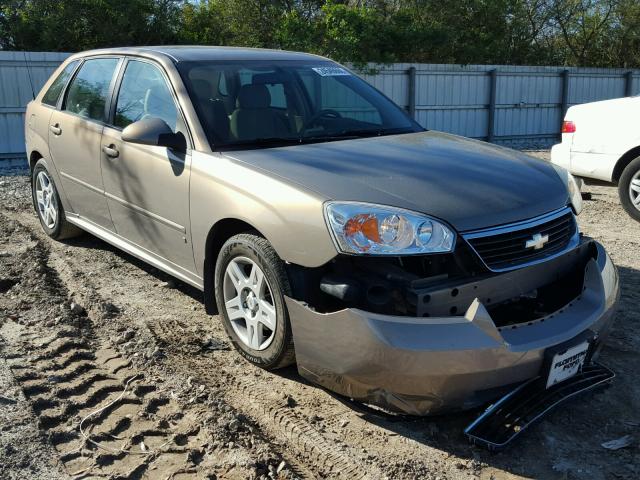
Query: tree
[[72, 25], [625, 50], [567, 32]]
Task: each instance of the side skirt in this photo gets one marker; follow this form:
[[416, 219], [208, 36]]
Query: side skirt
[[137, 251]]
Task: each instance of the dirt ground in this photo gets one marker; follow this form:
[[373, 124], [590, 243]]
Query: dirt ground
[[80, 322]]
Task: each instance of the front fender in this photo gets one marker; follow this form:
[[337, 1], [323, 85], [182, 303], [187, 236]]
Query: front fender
[[288, 216]]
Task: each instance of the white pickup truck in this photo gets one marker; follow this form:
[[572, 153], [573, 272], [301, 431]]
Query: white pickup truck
[[601, 143]]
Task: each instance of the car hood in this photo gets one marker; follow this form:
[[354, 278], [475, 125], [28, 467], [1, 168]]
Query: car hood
[[467, 183]]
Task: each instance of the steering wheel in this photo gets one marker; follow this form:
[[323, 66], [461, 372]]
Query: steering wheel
[[327, 112]]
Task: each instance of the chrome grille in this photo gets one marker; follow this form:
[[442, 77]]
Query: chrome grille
[[524, 243]]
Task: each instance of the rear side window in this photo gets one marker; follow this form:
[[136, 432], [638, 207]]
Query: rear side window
[[144, 93], [52, 95], [87, 94]]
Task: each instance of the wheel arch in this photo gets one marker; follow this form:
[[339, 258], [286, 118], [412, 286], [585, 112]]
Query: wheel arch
[[34, 156], [219, 233], [622, 163]]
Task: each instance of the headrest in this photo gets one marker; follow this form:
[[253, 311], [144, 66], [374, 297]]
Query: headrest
[[202, 88], [254, 96]]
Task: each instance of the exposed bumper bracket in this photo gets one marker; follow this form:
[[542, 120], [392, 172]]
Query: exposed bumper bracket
[[506, 419]]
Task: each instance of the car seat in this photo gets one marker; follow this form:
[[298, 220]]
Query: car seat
[[253, 118]]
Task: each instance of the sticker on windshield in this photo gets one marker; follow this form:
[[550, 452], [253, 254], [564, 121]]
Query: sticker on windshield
[[330, 71]]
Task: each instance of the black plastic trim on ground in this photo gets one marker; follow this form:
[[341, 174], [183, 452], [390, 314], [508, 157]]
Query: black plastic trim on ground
[[506, 419]]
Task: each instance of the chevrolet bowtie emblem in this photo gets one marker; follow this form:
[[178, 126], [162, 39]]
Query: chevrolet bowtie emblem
[[537, 241]]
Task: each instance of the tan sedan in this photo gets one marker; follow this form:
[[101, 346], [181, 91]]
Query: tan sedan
[[415, 270]]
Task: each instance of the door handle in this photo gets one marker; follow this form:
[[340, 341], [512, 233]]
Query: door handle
[[111, 151], [55, 129]]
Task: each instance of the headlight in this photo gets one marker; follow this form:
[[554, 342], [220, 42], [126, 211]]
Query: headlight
[[363, 228], [572, 187]]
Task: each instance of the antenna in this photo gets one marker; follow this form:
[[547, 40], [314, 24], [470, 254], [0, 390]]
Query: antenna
[[33, 92]]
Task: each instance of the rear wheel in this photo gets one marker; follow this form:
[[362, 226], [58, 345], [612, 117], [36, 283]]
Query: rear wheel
[[250, 285], [46, 201], [629, 189]]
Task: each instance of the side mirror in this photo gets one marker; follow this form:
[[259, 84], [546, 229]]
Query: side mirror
[[156, 132]]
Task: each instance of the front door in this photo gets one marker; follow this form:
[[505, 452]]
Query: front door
[[74, 139], [147, 187]]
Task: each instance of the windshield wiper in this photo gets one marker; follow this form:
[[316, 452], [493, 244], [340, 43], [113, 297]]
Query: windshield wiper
[[327, 138], [375, 132], [264, 142], [285, 141], [361, 133]]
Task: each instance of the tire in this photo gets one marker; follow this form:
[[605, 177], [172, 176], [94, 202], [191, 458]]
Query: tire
[[57, 228], [252, 306], [626, 190]]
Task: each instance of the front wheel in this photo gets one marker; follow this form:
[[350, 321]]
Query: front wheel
[[629, 189], [250, 285]]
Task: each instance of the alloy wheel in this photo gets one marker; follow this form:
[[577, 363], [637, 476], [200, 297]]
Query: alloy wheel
[[634, 190], [249, 303], [46, 199]]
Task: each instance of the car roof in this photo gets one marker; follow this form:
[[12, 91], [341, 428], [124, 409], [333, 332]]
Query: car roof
[[188, 53]]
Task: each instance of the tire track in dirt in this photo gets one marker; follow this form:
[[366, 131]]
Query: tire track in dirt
[[68, 375], [305, 438], [257, 399], [58, 404]]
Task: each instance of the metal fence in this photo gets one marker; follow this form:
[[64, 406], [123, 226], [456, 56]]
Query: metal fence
[[21, 74], [521, 107]]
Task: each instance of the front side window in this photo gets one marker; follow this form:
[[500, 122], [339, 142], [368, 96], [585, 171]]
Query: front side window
[[52, 95], [88, 91], [144, 93], [273, 103]]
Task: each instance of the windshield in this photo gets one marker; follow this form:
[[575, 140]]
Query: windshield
[[260, 104]]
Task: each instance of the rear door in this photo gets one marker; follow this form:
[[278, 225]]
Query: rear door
[[147, 187], [74, 138]]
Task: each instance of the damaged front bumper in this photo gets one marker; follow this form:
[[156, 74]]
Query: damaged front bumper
[[427, 365]]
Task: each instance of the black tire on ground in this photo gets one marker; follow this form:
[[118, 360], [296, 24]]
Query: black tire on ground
[[280, 352], [61, 229], [623, 188]]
